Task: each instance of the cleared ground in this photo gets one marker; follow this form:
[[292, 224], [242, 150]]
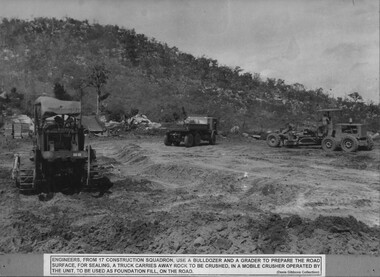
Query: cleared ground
[[239, 196]]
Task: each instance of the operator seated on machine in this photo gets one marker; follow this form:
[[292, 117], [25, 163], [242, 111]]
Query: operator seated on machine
[[53, 122], [69, 122], [289, 127], [59, 121], [288, 130]]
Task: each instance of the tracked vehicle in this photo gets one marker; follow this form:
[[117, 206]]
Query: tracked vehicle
[[59, 159], [193, 131]]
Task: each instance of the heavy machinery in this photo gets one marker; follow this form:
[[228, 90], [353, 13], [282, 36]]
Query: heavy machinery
[[290, 137], [331, 136], [348, 136], [59, 160], [193, 130]]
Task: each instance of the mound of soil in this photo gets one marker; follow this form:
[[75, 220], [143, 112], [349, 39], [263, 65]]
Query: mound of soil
[[237, 197]]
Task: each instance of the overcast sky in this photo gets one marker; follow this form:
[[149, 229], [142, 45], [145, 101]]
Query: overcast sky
[[333, 44]]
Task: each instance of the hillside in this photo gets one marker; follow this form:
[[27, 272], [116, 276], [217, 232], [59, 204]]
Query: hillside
[[153, 77]]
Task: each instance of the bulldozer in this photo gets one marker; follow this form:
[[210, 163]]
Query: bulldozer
[[59, 160]]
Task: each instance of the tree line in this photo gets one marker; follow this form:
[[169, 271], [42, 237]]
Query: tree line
[[127, 71]]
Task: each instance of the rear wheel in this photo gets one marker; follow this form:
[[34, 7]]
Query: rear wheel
[[167, 141], [189, 140], [273, 140], [213, 138], [370, 143], [329, 144], [349, 144], [197, 139]]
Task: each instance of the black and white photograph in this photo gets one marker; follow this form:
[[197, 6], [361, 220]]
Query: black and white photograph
[[215, 127]]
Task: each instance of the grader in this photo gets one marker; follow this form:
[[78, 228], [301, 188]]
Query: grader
[[59, 160], [349, 137]]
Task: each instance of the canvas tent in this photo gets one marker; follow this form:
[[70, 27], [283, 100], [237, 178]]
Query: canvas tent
[[3, 95], [93, 124], [22, 126]]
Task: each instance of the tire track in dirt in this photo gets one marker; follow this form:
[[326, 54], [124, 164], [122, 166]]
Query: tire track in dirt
[[234, 197], [307, 189]]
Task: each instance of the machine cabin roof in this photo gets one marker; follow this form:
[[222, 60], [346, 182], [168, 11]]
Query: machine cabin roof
[[51, 106]]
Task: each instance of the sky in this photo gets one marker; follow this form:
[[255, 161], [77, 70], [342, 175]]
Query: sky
[[329, 44]]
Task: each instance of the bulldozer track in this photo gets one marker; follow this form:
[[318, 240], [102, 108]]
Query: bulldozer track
[[26, 184], [23, 173], [94, 173]]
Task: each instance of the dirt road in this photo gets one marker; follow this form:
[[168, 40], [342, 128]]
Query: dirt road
[[239, 196]]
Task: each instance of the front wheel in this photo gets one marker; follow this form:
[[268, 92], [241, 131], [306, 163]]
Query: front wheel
[[349, 144], [189, 139], [329, 144], [197, 139], [273, 140], [167, 141]]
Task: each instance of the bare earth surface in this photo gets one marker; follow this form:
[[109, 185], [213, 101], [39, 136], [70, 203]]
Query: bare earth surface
[[239, 196]]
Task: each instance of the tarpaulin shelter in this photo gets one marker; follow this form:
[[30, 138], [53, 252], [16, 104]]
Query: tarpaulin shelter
[[22, 126], [93, 124]]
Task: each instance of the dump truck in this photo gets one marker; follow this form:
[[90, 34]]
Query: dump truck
[[193, 131], [59, 159]]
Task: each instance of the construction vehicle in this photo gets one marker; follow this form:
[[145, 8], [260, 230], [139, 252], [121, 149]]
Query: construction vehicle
[[347, 136], [350, 137], [59, 159], [193, 130], [290, 137]]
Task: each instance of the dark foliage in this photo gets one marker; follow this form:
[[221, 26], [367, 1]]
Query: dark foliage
[[130, 70], [60, 92]]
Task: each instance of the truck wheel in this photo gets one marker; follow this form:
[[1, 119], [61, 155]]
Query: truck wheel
[[197, 139], [213, 138], [167, 141], [370, 143], [189, 140], [273, 140], [349, 144], [329, 144]]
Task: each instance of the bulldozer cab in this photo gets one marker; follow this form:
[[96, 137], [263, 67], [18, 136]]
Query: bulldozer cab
[[46, 108], [58, 125]]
